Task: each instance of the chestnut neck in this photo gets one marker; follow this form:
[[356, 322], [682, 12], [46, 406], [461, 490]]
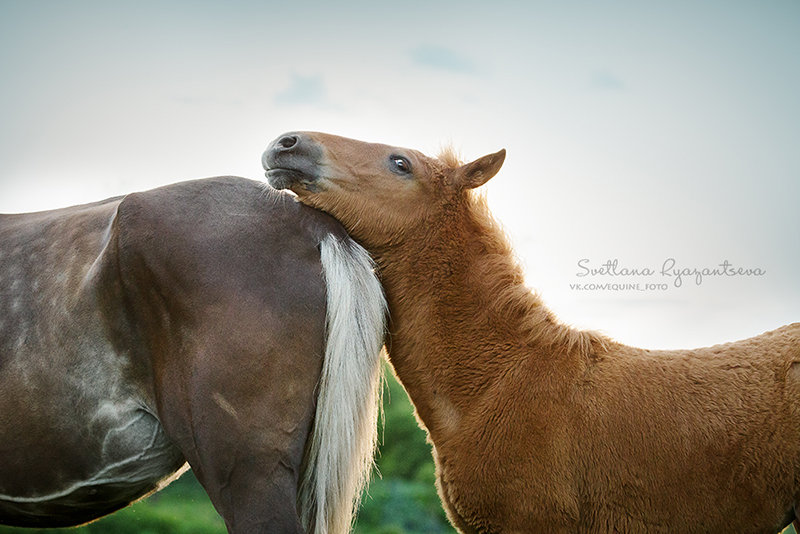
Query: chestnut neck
[[461, 316]]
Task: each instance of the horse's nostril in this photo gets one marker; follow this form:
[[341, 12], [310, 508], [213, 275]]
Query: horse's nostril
[[287, 141]]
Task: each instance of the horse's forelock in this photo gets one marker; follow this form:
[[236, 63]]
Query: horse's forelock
[[449, 157]]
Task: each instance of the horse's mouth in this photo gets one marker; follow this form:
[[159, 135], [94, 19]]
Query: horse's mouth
[[292, 161], [282, 178]]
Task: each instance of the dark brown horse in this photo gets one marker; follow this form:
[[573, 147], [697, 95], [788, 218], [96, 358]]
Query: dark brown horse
[[213, 322], [538, 427]]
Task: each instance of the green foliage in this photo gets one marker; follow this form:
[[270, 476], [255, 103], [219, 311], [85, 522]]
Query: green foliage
[[404, 450], [401, 500], [400, 506]]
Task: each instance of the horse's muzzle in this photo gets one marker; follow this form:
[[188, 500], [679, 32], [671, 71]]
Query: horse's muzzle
[[292, 159]]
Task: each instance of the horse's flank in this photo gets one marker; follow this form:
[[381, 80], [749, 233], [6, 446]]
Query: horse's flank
[[536, 426]]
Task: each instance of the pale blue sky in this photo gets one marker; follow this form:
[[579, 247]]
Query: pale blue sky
[[637, 132]]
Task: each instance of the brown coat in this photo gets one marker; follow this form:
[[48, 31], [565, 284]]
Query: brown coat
[[538, 427]]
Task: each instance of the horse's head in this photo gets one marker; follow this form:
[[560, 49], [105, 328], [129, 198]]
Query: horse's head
[[378, 192]]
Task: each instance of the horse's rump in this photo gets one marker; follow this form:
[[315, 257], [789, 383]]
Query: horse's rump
[[182, 323]]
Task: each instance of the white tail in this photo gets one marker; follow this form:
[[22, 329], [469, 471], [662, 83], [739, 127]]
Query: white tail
[[339, 457]]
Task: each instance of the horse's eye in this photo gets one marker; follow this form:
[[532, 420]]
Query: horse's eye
[[400, 165]]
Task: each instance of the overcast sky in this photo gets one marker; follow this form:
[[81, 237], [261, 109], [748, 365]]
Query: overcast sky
[[635, 131]]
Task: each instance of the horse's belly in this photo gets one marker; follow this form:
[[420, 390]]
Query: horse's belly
[[134, 458]]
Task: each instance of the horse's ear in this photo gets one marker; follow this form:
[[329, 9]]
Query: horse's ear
[[478, 172]]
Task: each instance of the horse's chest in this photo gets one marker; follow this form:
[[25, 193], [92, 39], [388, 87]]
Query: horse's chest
[[464, 495]]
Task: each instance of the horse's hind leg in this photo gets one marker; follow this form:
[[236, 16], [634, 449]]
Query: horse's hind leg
[[256, 494], [242, 422], [246, 448]]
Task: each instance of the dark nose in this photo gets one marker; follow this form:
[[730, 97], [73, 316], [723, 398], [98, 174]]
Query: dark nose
[[286, 151], [297, 152], [293, 145]]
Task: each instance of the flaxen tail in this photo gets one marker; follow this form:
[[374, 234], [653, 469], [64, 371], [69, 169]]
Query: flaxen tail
[[339, 456]]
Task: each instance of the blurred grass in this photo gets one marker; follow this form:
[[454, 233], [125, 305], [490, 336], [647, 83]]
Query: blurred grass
[[401, 500], [182, 508]]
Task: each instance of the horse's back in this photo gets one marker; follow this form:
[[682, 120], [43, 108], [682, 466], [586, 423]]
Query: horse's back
[[114, 315]]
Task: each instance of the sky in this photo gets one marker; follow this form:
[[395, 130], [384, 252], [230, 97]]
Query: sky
[[637, 132]]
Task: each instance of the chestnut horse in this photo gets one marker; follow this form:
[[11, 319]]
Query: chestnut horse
[[209, 322], [538, 427]]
